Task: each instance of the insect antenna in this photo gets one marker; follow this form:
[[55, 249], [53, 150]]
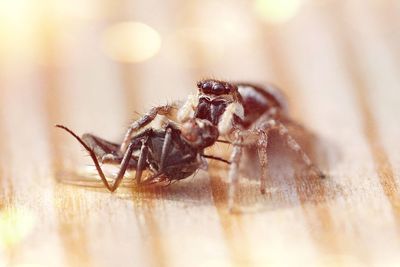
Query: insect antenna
[[91, 154]]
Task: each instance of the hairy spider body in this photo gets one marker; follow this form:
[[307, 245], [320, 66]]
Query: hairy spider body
[[169, 153], [257, 101], [238, 104], [244, 114]]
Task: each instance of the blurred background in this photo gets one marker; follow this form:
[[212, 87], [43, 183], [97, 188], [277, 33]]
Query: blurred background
[[94, 65], [125, 56]]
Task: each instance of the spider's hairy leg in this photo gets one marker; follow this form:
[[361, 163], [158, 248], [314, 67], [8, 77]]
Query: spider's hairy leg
[[259, 136], [225, 124], [145, 120], [262, 145], [233, 175], [186, 111], [295, 146]]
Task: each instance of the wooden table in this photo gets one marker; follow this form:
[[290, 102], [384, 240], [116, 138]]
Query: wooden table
[[338, 62]]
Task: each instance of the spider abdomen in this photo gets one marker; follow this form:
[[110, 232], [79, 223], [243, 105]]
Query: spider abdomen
[[257, 100]]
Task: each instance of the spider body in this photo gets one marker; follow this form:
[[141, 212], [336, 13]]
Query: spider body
[[244, 114], [257, 101], [234, 104]]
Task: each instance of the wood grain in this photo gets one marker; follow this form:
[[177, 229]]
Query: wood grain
[[338, 62]]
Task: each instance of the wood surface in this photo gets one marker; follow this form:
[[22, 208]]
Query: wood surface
[[338, 62]]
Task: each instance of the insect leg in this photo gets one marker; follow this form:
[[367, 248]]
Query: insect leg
[[97, 143], [145, 120], [223, 141], [143, 157], [123, 166], [122, 169], [233, 170], [216, 158], [165, 148], [294, 145], [141, 162], [106, 152]]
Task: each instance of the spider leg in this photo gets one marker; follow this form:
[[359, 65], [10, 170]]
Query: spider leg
[[225, 124], [186, 111], [262, 145], [233, 175], [294, 146], [145, 120], [123, 167]]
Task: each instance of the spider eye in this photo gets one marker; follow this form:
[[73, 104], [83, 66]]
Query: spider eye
[[218, 89], [214, 87], [207, 86]]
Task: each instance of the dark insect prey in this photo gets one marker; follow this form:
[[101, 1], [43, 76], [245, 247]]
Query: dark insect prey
[[169, 153]]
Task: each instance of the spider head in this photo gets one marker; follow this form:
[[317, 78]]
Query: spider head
[[216, 88], [199, 133]]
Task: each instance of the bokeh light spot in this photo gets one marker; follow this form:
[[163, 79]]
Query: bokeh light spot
[[274, 11], [15, 225], [131, 42]]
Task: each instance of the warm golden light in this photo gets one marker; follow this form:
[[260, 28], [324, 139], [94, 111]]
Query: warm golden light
[[131, 42], [232, 25], [277, 11], [17, 29], [74, 10], [29, 265], [194, 47], [15, 225]]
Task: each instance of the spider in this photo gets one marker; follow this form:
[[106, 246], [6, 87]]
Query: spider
[[169, 152], [244, 114]]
